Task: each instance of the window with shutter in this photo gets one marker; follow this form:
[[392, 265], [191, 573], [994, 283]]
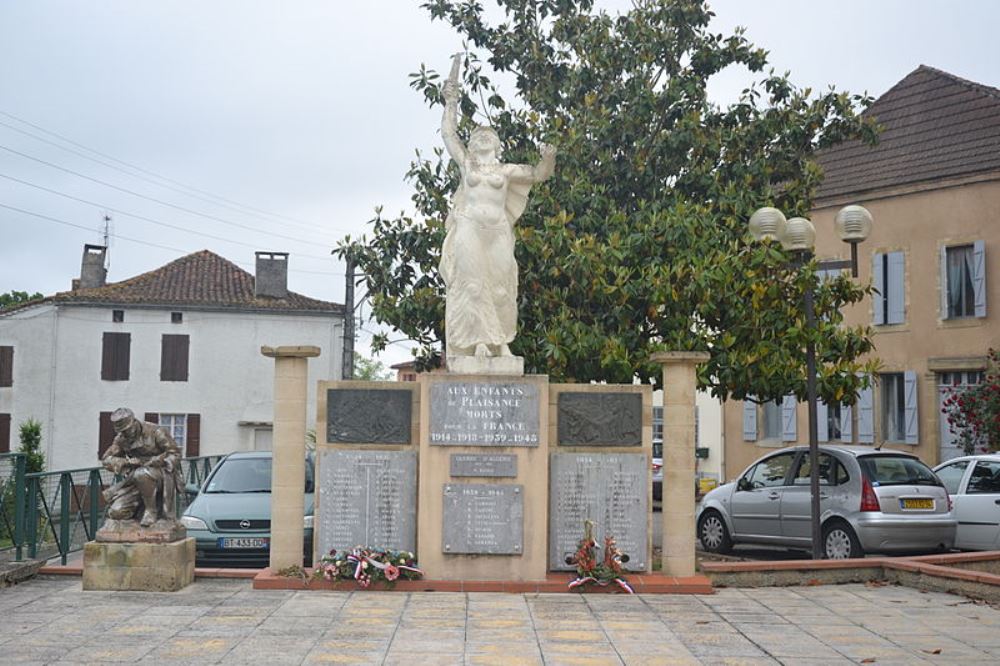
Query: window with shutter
[[749, 421], [174, 358], [788, 406], [771, 415], [4, 433], [115, 356], [193, 435], [6, 366], [888, 280], [878, 286], [958, 279], [106, 434], [893, 390]]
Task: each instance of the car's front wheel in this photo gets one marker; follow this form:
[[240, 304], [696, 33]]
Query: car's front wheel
[[840, 542], [713, 533]]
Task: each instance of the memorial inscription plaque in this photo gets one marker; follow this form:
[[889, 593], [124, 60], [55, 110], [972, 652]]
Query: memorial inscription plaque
[[611, 489], [599, 419], [484, 414], [368, 416], [483, 519], [476, 464], [367, 498]]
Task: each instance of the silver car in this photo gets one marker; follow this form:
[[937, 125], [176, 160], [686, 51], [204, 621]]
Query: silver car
[[871, 501], [974, 485]]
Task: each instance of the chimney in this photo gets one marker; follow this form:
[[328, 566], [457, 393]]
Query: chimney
[[272, 275], [92, 271]]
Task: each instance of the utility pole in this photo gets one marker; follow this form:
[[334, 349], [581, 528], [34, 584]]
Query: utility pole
[[347, 369], [107, 242]]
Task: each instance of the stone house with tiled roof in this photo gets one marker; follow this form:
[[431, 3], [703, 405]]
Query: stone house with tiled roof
[[179, 345], [932, 185]]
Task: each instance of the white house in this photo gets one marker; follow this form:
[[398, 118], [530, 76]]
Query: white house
[[179, 345]]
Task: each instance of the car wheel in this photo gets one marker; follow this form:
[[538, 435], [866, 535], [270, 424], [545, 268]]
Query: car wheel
[[713, 533], [840, 542]]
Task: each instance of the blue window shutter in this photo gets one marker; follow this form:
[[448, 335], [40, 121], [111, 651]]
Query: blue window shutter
[[749, 421], [895, 288], [944, 282], [788, 419], [866, 422], [845, 423], [822, 427], [911, 413], [878, 296], [979, 276]]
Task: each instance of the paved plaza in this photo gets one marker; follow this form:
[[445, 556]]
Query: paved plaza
[[52, 621]]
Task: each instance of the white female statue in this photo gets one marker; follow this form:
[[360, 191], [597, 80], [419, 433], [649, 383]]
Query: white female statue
[[477, 258]]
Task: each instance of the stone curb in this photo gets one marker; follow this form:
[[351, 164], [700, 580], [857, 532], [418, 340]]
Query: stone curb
[[12, 573]]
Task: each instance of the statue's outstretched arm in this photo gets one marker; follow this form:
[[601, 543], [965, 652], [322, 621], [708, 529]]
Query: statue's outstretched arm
[[449, 122], [541, 171]]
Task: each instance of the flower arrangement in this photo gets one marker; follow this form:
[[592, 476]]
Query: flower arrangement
[[590, 570], [368, 565], [973, 412]]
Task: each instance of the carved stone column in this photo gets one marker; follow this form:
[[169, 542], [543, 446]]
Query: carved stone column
[[288, 466], [679, 387]]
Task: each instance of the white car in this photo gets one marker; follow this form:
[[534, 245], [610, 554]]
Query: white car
[[973, 482]]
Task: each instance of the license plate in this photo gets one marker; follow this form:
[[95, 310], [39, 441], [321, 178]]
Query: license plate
[[917, 503], [244, 542]]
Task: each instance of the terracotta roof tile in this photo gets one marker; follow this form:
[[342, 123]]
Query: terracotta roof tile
[[202, 279], [935, 126]]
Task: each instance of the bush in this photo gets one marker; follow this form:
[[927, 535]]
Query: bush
[[31, 445], [974, 413]]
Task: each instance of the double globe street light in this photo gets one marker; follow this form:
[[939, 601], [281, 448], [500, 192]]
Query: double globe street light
[[797, 235]]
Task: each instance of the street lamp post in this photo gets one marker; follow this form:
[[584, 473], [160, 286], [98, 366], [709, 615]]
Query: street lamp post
[[798, 235]]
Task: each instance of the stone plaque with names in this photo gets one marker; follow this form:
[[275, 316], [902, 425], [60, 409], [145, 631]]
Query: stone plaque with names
[[368, 416], [483, 464], [611, 489], [599, 419], [483, 519], [367, 498], [484, 414]]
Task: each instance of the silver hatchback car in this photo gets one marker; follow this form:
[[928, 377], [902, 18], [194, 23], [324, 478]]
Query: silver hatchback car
[[871, 501]]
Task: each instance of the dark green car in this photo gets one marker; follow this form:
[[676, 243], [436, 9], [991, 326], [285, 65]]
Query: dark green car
[[230, 519]]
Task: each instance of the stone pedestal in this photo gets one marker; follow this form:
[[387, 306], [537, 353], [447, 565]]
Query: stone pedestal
[[679, 387], [483, 477], [486, 365], [288, 467], [138, 567]]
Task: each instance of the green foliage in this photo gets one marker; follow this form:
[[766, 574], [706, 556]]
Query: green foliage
[[973, 413], [12, 298], [369, 369], [31, 446], [638, 243]]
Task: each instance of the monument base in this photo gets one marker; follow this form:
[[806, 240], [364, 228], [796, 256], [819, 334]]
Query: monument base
[[138, 567], [130, 531], [486, 365]]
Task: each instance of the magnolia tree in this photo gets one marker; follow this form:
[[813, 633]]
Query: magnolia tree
[[973, 412], [638, 243]]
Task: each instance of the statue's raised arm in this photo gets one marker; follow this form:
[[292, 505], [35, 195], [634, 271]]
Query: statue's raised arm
[[449, 122], [477, 258]]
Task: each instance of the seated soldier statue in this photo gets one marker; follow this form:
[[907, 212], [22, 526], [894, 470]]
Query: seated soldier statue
[[148, 459]]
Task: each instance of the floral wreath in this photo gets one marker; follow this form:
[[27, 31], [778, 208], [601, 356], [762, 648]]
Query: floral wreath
[[368, 565], [590, 570]]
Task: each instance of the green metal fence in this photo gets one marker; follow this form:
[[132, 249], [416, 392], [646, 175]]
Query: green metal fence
[[12, 469], [63, 509]]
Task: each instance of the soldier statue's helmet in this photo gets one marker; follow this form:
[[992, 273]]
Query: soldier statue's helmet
[[122, 418]]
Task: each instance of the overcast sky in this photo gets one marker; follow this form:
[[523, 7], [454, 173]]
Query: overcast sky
[[299, 115]]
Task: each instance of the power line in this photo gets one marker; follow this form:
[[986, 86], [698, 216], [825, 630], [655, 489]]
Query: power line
[[141, 242], [309, 225], [153, 199], [142, 217]]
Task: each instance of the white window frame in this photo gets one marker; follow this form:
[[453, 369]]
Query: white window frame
[[175, 425]]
